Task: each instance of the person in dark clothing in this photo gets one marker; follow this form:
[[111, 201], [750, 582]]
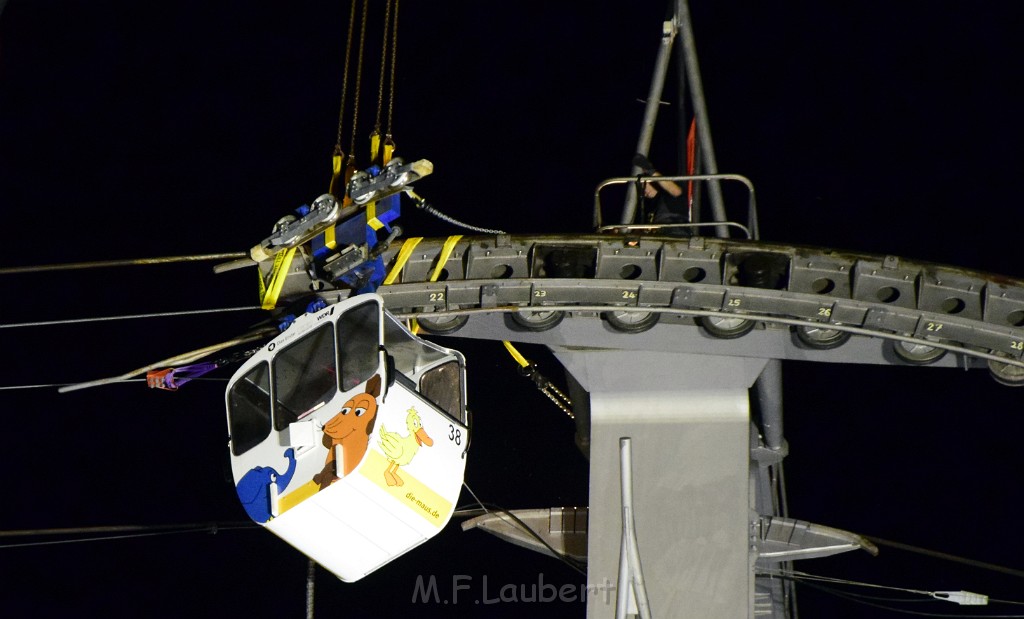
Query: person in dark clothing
[[669, 202]]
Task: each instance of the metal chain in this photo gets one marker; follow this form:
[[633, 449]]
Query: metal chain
[[560, 399], [383, 64], [344, 78], [359, 77], [423, 204], [552, 392], [394, 58]]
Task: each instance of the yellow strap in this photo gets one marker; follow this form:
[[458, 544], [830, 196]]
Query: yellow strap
[[518, 356], [336, 162], [263, 285], [371, 216], [350, 170], [442, 259], [374, 145], [403, 256], [282, 263], [329, 238]]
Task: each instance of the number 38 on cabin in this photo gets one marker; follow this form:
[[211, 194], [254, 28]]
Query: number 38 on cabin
[[348, 436]]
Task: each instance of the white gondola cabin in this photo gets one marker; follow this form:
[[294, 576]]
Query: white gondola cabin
[[348, 436]]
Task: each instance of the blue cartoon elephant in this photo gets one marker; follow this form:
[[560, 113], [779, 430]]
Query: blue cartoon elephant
[[254, 487]]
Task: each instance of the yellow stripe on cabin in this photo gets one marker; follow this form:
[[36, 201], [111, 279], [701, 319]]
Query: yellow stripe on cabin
[[297, 496]]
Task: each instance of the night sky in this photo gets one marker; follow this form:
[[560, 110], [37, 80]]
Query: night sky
[[134, 129]]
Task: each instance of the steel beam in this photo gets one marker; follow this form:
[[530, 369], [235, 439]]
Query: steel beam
[[688, 418]]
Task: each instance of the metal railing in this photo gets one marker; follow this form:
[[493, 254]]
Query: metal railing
[[752, 229]]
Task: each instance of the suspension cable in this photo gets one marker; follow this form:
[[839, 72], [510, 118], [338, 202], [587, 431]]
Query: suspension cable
[[105, 533], [97, 264], [71, 321], [125, 381], [946, 557], [182, 359], [962, 598], [507, 514]]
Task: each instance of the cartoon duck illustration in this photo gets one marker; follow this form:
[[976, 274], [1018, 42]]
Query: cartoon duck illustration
[[400, 450], [350, 428]]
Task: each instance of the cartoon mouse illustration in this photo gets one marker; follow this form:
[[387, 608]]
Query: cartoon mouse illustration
[[351, 429]]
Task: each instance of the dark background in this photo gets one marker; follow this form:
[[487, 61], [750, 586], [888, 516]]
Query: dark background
[[138, 129]]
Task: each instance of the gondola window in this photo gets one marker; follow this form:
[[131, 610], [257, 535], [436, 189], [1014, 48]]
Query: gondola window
[[441, 385], [359, 343], [305, 376], [249, 410]]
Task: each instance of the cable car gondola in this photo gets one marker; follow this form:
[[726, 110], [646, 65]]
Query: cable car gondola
[[348, 436]]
